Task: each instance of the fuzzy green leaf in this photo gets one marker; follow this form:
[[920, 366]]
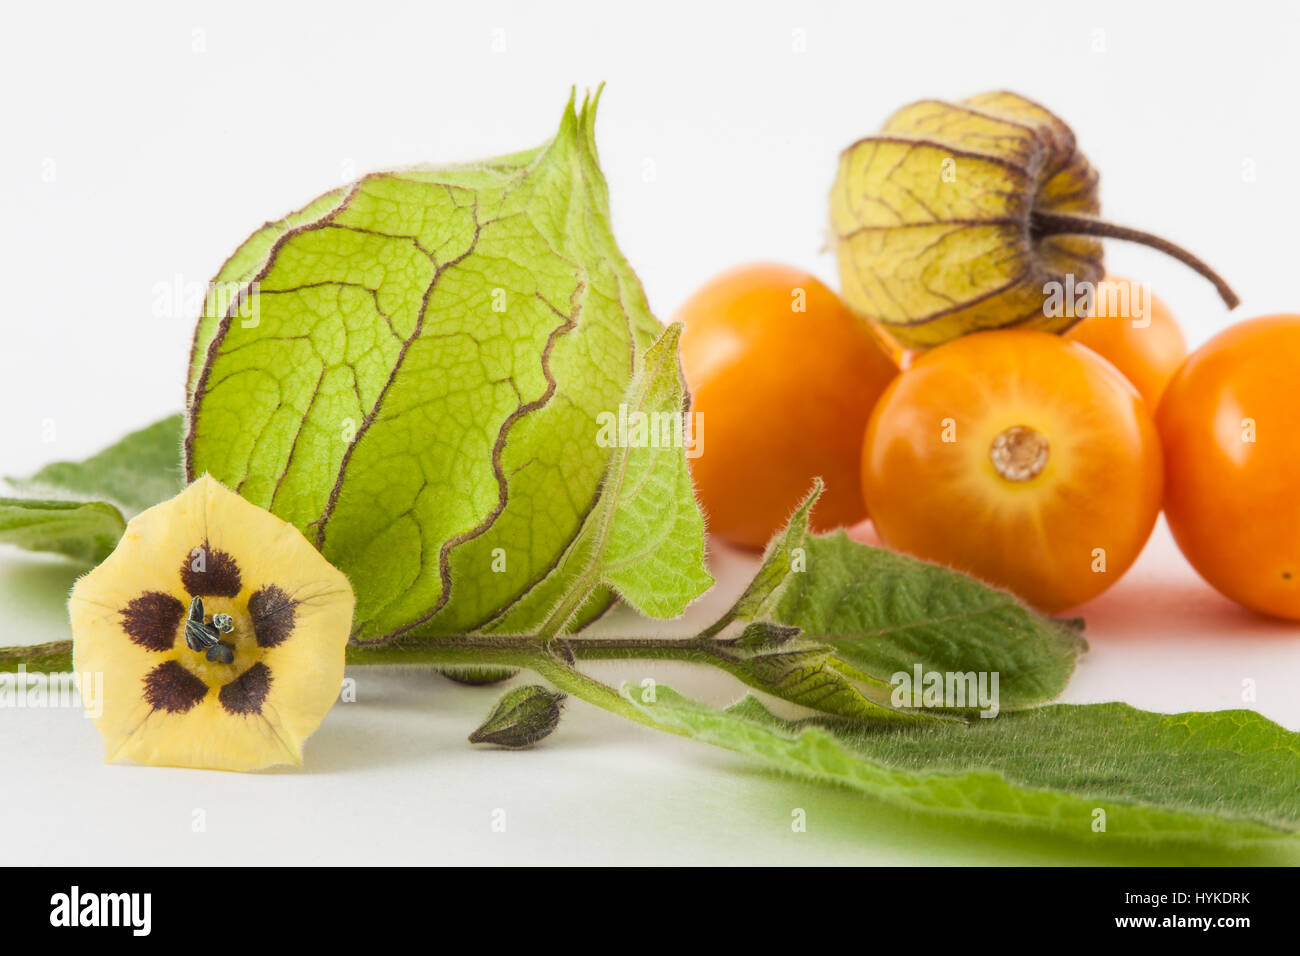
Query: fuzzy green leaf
[[781, 560], [648, 533], [78, 508], [82, 530], [801, 671], [1223, 778], [886, 613], [136, 473], [777, 661], [412, 371], [879, 613]]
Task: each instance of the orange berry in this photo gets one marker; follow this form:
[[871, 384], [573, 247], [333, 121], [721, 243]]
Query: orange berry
[[1135, 332], [783, 377]]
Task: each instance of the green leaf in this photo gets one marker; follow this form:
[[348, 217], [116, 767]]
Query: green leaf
[[800, 671], [775, 660], [77, 508], [1228, 777], [886, 613], [781, 560], [412, 374], [653, 544], [878, 613], [648, 532], [136, 473], [82, 530]]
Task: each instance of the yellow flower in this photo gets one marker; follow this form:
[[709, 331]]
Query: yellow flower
[[172, 701]]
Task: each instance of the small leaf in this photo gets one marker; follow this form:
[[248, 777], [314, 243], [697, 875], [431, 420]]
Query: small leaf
[[652, 539], [774, 659], [82, 530], [760, 595], [136, 473], [521, 718], [886, 613], [881, 613], [1228, 777], [65, 514], [763, 638]]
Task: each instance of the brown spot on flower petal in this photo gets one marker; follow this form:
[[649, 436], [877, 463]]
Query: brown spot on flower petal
[[172, 688], [244, 694], [272, 612], [207, 572], [151, 620]]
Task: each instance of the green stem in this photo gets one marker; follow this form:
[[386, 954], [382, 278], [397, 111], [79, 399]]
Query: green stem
[[591, 690], [569, 605], [52, 658], [465, 651], [693, 650], [554, 659], [506, 651], [451, 651], [530, 653], [461, 650]]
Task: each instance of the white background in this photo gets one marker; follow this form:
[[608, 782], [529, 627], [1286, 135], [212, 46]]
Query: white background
[[141, 143]]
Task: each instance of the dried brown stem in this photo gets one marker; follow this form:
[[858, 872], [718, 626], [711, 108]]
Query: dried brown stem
[[1064, 224]]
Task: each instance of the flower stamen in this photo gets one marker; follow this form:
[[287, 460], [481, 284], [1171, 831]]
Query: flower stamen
[[205, 637]]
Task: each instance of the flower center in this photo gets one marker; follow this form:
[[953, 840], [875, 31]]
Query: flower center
[[238, 644]]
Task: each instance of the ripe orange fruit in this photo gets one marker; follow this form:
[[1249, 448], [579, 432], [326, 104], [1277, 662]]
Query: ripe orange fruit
[[783, 377], [1134, 331], [1018, 457], [1230, 424]]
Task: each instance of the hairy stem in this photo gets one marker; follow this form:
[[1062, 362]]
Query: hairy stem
[[527, 652], [464, 650], [586, 688], [449, 651], [52, 658]]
